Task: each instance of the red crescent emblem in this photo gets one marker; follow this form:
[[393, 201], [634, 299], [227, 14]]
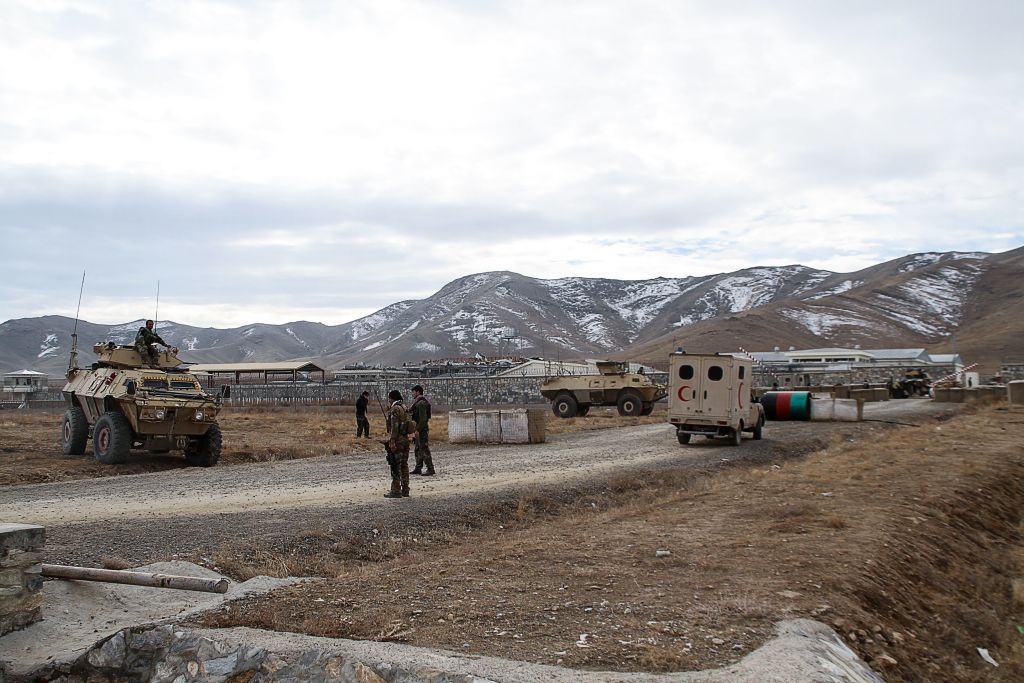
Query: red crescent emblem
[[680, 392]]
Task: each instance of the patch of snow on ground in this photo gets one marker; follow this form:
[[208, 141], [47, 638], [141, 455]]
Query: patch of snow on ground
[[822, 323], [374, 345], [426, 346], [942, 293], [593, 325], [811, 279], [744, 292], [920, 261], [366, 326], [49, 347], [844, 286], [132, 327], [641, 301], [296, 338], [249, 332], [190, 343]]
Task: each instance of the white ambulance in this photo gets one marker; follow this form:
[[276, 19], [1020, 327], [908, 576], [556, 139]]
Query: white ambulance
[[710, 395]]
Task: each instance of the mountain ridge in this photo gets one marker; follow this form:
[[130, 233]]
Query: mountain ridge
[[935, 300]]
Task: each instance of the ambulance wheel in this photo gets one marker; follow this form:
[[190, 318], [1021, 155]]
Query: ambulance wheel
[[737, 436]]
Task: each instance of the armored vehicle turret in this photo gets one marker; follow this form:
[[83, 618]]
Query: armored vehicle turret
[[124, 403]]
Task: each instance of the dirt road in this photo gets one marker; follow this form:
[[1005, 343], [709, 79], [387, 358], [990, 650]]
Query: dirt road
[[195, 511]]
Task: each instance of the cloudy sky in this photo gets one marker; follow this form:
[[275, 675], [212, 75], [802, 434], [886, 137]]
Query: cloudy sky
[[279, 161]]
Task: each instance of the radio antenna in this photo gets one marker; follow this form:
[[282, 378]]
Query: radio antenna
[[156, 313], [73, 361]]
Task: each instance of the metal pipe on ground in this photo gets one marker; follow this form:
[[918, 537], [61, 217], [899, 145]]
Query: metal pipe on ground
[[186, 583]]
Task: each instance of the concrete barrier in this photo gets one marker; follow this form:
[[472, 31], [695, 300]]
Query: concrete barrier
[[956, 395], [940, 394], [510, 425], [1015, 392], [837, 410]]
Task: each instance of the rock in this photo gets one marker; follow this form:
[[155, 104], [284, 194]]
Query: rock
[[662, 553], [886, 661]]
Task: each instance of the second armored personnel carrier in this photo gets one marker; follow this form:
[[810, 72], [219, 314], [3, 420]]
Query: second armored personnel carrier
[[632, 393], [124, 403]]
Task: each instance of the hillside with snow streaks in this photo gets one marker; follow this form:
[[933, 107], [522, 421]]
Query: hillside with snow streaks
[[916, 300], [825, 322]]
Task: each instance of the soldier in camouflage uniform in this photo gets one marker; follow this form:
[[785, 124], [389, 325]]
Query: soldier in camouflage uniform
[[144, 341], [398, 426], [420, 411]]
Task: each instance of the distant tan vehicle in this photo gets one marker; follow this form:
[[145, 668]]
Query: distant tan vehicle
[[633, 393], [709, 395], [126, 404]]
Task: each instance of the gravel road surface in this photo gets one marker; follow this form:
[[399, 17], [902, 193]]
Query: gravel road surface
[[151, 517]]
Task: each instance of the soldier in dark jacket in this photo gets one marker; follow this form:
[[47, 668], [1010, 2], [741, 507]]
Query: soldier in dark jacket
[[398, 443], [145, 339], [421, 416], [362, 423]]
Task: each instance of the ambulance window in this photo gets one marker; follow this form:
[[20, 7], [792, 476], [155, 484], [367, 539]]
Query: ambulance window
[[742, 371], [685, 372], [715, 373]]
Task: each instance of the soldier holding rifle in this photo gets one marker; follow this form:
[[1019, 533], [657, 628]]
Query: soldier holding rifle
[[397, 446]]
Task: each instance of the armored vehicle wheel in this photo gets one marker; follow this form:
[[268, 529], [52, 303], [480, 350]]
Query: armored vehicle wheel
[[758, 428], [630, 404], [582, 410], [648, 409], [111, 438], [565, 405], [74, 431], [206, 451], [683, 437], [736, 437]]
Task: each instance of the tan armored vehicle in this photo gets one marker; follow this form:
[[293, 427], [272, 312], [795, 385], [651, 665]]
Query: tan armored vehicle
[[709, 395], [127, 404], [633, 393]]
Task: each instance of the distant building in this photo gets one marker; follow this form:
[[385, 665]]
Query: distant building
[[19, 386], [805, 367]]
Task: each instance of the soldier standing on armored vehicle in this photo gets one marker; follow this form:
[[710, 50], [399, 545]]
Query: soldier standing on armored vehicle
[[144, 342]]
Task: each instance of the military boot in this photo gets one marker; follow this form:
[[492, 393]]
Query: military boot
[[396, 490]]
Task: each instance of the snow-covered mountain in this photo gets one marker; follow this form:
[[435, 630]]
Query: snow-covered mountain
[[917, 300]]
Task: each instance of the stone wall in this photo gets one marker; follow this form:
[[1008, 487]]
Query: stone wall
[[20, 576], [864, 375]]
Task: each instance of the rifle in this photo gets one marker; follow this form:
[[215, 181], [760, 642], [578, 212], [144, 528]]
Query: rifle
[[391, 456], [387, 420], [392, 460]]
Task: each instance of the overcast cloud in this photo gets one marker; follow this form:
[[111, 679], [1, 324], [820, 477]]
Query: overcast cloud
[[280, 161]]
